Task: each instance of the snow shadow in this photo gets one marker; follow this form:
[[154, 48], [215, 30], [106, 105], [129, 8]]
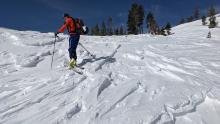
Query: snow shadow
[[106, 59], [109, 59]]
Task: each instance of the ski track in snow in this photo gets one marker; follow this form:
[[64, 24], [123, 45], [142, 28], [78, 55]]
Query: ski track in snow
[[140, 79]]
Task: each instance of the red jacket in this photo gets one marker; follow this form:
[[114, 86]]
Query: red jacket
[[69, 25]]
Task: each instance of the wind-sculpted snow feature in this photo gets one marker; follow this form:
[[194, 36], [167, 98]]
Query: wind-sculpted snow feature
[[107, 59], [140, 79]]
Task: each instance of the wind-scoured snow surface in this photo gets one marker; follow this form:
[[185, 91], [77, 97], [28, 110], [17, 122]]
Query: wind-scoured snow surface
[[140, 79]]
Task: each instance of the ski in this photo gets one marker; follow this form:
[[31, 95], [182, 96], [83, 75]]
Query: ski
[[77, 70], [78, 66]]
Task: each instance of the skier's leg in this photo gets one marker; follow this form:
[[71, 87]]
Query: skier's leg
[[71, 52], [70, 48], [74, 46], [74, 55]]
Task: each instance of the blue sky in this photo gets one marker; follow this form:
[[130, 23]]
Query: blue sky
[[46, 15]]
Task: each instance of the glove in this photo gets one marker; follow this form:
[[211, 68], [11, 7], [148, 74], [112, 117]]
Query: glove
[[56, 33]]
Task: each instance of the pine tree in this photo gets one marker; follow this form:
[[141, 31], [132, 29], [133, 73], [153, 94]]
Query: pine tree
[[149, 19], [103, 29], [196, 13], [97, 30], [212, 19], [93, 31], [125, 32], [204, 20], [110, 26], [130, 23], [162, 31], [133, 19], [213, 22], [182, 21], [168, 28], [140, 19], [121, 31], [211, 11], [116, 31], [190, 19], [151, 24], [158, 30]]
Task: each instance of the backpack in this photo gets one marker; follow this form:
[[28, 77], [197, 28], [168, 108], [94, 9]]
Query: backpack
[[80, 26]]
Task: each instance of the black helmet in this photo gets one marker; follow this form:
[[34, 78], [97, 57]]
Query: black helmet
[[66, 15]]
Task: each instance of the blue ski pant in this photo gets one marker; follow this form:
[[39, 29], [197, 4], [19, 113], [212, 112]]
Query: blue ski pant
[[73, 43]]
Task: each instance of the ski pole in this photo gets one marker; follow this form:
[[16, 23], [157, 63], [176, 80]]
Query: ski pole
[[53, 51], [87, 50]]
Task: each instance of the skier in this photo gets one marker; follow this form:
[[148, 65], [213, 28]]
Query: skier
[[74, 37]]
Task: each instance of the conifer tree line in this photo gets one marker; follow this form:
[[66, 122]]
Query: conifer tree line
[[196, 16], [137, 18], [107, 29], [135, 24]]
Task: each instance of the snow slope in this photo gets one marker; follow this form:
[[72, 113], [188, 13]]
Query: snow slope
[[140, 79]]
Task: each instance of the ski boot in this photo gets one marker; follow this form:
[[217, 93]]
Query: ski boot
[[72, 63]]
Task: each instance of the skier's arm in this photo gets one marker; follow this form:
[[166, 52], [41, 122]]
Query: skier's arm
[[63, 27]]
